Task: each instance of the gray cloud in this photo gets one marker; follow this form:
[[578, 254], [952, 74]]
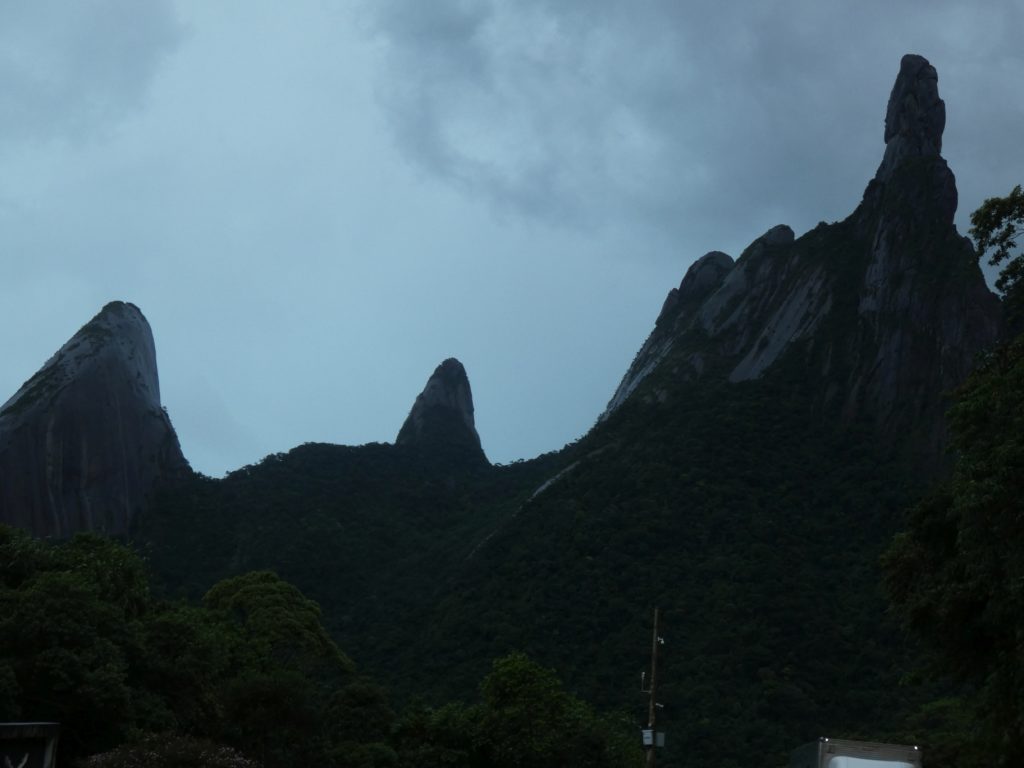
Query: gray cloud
[[67, 70], [676, 115]]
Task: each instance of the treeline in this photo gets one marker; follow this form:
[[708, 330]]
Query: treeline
[[248, 676]]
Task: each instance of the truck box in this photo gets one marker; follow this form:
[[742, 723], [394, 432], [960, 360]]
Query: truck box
[[843, 753]]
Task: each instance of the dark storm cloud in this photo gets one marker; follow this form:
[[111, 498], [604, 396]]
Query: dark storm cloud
[[67, 70], [679, 115]]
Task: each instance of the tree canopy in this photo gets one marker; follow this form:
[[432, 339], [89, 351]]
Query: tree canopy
[[525, 717], [996, 226], [248, 678], [957, 573], [84, 643]]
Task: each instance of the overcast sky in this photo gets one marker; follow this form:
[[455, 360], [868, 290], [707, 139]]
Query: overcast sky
[[315, 203]]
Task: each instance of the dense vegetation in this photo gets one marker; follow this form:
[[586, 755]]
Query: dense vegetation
[[248, 677], [756, 529], [956, 574], [757, 534], [373, 533]]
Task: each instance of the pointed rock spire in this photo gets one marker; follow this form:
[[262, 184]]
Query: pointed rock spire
[[85, 439], [915, 117], [442, 417], [913, 177], [884, 312]]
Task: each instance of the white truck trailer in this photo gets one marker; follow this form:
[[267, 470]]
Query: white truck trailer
[[843, 753]]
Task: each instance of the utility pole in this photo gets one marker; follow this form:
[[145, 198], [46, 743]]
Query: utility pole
[[652, 709]]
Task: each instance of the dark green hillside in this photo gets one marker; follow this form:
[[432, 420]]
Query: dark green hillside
[[750, 470], [374, 533], [754, 528], [735, 507]]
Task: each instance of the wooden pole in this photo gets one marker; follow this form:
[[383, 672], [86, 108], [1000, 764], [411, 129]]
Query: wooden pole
[[652, 709]]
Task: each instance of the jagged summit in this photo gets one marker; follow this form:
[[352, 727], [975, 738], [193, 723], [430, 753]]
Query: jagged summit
[[703, 277], [913, 176], [85, 439], [888, 307], [120, 324], [442, 416], [915, 117]]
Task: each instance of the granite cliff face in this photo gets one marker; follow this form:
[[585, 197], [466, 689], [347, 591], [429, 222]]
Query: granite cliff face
[[442, 419], [885, 308], [85, 439]]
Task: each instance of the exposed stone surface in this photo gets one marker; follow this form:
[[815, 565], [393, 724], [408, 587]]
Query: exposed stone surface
[[888, 307], [85, 439], [923, 309], [442, 416], [702, 279], [915, 117]]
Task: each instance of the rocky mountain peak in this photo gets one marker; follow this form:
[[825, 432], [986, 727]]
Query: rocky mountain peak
[[442, 416], [915, 117], [701, 279], [913, 177], [119, 325], [880, 314], [85, 439]]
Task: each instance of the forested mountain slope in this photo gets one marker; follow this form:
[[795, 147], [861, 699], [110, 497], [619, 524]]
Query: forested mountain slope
[[749, 472]]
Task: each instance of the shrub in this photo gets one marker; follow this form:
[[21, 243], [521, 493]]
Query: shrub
[[169, 750]]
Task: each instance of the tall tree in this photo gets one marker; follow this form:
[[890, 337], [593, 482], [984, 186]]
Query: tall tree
[[68, 628], [996, 226]]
